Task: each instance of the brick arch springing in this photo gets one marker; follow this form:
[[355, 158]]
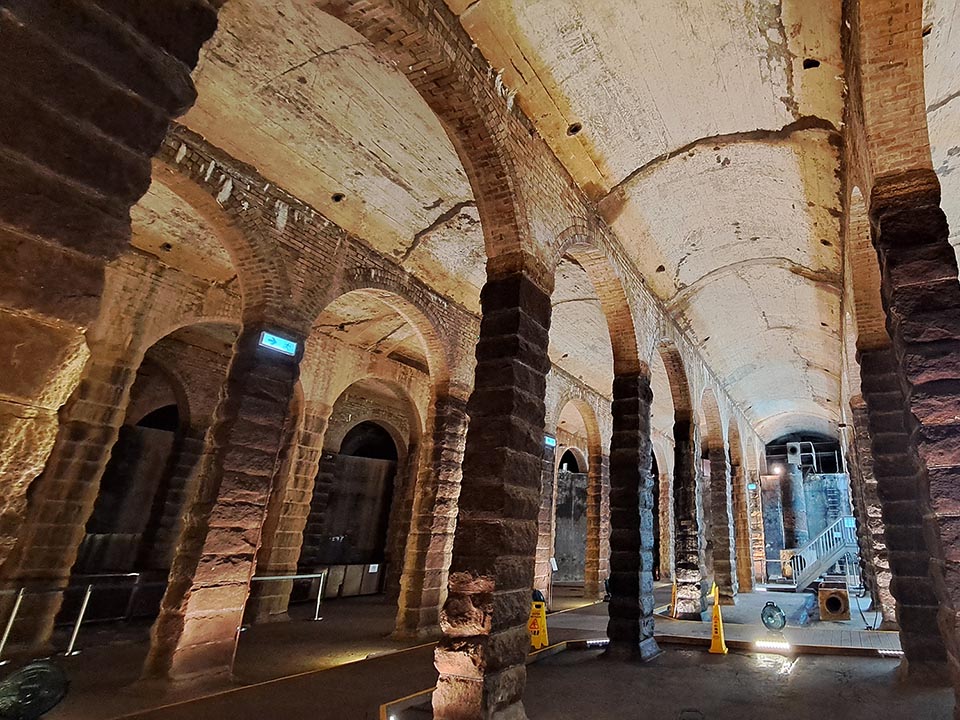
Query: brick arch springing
[[679, 384], [430, 49], [261, 274], [579, 243], [711, 421], [863, 272]]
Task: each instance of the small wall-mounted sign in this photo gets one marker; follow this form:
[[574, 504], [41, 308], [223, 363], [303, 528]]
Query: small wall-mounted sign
[[752, 486], [553, 564], [373, 568], [549, 441], [278, 344]]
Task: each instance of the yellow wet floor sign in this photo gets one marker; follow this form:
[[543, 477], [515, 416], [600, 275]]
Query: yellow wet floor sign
[[717, 643], [537, 625]]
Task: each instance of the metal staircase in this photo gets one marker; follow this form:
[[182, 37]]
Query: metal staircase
[[838, 542]]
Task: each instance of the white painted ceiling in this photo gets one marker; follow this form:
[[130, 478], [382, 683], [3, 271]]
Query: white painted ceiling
[[705, 142]]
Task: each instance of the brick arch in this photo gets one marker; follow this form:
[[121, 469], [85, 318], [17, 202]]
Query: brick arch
[[735, 441], [887, 74], [422, 312], [860, 259], [444, 65], [579, 243], [677, 376], [262, 275], [413, 411], [589, 415], [189, 414], [711, 420]]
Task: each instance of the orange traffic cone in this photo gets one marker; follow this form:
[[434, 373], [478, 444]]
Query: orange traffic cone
[[718, 645]]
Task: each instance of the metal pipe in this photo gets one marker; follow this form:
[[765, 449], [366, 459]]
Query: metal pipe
[[320, 591], [13, 616], [76, 628]]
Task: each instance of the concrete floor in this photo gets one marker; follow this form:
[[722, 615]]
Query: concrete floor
[[693, 685], [104, 675]]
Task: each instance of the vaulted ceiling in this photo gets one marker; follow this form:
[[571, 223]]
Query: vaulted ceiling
[[707, 133]]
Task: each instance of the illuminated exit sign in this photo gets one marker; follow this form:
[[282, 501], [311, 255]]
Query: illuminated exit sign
[[278, 344], [550, 441]]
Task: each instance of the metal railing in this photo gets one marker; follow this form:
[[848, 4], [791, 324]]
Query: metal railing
[[90, 587]]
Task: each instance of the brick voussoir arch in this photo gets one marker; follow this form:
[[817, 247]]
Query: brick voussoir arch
[[580, 242], [445, 67], [224, 198], [419, 307]]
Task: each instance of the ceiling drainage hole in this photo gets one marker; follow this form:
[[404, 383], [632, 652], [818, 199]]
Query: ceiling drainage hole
[[927, 30], [166, 247], [574, 128], [690, 715], [337, 197], [826, 243], [810, 63], [661, 268]]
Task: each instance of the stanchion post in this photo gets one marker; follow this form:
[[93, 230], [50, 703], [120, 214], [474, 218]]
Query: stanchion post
[[133, 595], [76, 628], [320, 591], [13, 616]]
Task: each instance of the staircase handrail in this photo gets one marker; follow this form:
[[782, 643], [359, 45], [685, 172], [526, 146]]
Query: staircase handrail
[[810, 561]]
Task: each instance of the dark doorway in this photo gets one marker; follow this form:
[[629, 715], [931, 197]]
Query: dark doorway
[[349, 526], [570, 545]]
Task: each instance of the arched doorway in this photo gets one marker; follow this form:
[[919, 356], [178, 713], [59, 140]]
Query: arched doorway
[[353, 529], [362, 491], [570, 520], [136, 516]]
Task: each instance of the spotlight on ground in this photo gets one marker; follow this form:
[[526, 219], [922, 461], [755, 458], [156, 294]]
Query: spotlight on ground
[[772, 645]]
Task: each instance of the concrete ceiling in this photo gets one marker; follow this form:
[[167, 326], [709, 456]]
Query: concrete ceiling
[[941, 60], [707, 136]]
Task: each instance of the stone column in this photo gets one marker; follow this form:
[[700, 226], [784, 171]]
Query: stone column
[[605, 530], [196, 632], [630, 628], [64, 495], [287, 513], [399, 524], [921, 297], [88, 91], [869, 515], [688, 545], [543, 571], [667, 524], [484, 620], [592, 581], [903, 505], [741, 524], [160, 538], [426, 564], [721, 527]]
